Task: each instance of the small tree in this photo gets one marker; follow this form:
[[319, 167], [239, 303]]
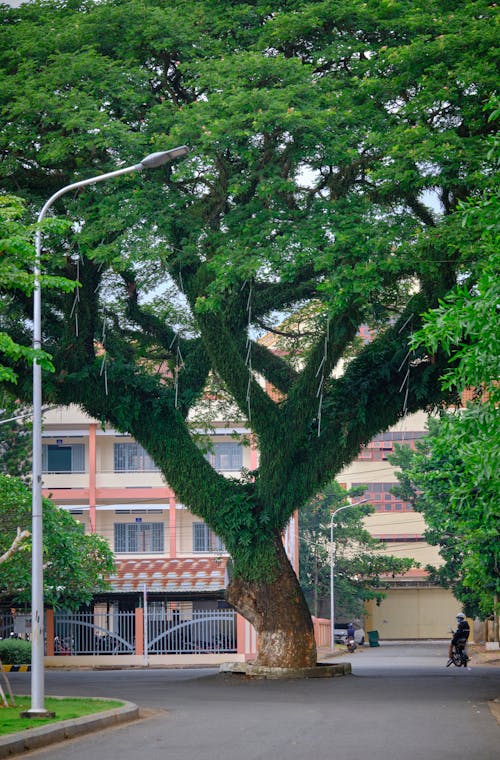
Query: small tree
[[460, 519], [359, 558], [75, 564]]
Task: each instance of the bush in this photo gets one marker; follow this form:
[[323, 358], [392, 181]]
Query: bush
[[15, 652]]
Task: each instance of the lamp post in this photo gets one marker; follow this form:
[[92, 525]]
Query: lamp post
[[332, 571], [37, 612]]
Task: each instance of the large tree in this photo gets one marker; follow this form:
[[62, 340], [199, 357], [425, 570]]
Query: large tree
[[330, 144]]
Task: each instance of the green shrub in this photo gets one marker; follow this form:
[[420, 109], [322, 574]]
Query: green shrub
[[15, 652]]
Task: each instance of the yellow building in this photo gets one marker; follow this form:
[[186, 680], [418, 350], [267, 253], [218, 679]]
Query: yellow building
[[414, 608]]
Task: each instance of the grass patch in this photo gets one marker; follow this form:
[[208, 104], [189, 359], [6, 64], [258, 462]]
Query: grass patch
[[64, 708]]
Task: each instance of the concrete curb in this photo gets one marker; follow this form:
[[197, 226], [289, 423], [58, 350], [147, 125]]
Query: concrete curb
[[35, 738], [322, 670]]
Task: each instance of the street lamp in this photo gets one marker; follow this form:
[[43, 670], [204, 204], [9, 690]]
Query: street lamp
[[332, 571], [37, 612]]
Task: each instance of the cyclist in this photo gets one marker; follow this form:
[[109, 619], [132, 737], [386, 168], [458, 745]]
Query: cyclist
[[461, 634]]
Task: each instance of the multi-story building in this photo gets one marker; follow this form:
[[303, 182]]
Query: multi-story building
[[414, 608], [109, 483]]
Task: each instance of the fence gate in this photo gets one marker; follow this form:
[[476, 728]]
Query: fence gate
[[97, 632], [203, 631], [113, 632]]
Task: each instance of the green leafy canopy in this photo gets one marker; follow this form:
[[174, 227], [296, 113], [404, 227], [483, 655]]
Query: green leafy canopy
[[76, 564]]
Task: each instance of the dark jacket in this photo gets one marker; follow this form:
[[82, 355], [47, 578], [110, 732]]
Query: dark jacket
[[462, 633]]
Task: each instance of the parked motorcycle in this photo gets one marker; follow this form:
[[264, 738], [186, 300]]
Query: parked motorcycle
[[351, 645]]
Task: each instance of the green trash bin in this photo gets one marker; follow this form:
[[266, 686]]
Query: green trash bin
[[373, 638]]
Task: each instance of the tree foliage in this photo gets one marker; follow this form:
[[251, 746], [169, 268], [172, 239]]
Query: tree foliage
[[75, 564], [15, 437], [331, 144], [461, 518], [454, 475], [17, 255], [359, 559]]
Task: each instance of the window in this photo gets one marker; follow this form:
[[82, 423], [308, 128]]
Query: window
[[131, 457], [138, 511], [226, 456], [139, 537], [63, 458], [205, 540], [376, 449], [383, 500]]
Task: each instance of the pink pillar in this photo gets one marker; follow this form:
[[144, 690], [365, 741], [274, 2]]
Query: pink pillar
[[49, 633], [253, 453], [246, 638], [295, 518], [139, 630], [92, 476], [172, 527]]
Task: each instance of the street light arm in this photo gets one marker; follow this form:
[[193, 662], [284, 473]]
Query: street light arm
[[347, 506], [82, 183], [152, 161]]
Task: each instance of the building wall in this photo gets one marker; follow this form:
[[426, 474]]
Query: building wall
[[100, 495], [413, 613], [413, 608]]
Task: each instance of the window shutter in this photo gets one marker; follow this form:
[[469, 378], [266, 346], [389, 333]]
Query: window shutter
[[132, 536], [200, 542], [78, 457], [156, 537], [228, 456], [120, 537]]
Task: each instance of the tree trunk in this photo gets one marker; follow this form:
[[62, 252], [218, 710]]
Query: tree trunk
[[279, 613]]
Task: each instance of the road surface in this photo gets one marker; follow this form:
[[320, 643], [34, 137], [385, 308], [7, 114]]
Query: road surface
[[401, 703]]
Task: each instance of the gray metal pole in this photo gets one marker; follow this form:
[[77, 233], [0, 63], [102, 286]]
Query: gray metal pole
[[332, 571], [37, 606]]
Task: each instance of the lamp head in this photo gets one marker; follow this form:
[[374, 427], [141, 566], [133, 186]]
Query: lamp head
[[163, 157]]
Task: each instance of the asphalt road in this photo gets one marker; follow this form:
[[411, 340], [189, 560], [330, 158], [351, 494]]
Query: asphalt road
[[401, 703]]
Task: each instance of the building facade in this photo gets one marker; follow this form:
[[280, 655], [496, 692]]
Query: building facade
[[414, 608], [111, 485]]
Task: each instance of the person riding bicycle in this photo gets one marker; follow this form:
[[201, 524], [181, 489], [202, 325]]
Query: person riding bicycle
[[461, 633]]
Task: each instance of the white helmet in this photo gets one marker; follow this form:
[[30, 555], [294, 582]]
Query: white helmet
[[460, 616]]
